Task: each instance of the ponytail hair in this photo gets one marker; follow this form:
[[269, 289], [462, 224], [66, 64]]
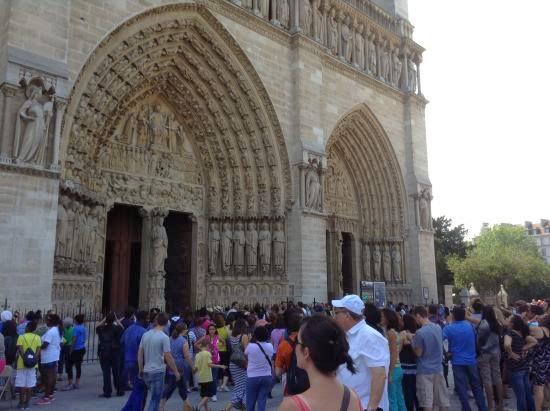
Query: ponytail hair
[[327, 344]]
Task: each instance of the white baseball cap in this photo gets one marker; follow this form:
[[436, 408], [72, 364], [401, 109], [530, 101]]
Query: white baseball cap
[[351, 303]]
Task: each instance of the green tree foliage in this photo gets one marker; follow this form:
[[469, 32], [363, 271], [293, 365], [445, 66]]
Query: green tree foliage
[[503, 254], [448, 241]]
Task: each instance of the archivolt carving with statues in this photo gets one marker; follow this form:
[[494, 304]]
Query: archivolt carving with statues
[[209, 92]]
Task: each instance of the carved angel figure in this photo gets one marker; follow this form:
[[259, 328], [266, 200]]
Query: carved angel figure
[[31, 128]]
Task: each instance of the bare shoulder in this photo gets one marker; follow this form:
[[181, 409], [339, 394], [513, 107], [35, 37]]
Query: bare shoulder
[[288, 404], [355, 402]]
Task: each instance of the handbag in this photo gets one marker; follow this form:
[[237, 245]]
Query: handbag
[[237, 355]]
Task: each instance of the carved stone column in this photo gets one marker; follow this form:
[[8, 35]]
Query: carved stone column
[[6, 140], [60, 106], [405, 72], [418, 85], [295, 17]]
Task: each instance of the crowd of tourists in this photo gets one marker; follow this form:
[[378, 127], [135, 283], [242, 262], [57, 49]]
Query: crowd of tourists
[[344, 356]]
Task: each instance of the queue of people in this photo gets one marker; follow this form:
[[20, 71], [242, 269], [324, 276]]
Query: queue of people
[[347, 355]]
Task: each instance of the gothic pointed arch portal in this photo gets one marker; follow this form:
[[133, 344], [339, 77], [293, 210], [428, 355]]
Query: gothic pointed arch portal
[[365, 201], [169, 115]]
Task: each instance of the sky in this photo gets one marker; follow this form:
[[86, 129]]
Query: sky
[[486, 74]]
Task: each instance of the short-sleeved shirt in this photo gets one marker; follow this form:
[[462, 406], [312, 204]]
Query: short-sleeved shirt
[[368, 349], [51, 352], [130, 341], [26, 341], [79, 332], [258, 366], [224, 337], [462, 342], [430, 338], [202, 359], [154, 343], [284, 352], [176, 348]]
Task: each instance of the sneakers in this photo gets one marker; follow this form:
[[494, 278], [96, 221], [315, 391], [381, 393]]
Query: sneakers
[[76, 386], [214, 398], [44, 401], [68, 387], [225, 388]]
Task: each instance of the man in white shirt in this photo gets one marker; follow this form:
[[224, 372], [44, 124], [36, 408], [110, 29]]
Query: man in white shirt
[[370, 353]]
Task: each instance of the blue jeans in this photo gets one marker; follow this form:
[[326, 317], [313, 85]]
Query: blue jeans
[[256, 392], [522, 390], [154, 382], [464, 375]]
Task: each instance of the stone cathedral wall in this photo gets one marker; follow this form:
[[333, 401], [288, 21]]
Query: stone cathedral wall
[[311, 91]]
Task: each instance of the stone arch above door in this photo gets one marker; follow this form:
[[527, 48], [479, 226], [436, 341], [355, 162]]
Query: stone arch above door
[[365, 194], [168, 113], [182, 56]]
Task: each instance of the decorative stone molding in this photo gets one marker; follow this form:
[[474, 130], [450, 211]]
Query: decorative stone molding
[[224, 292]]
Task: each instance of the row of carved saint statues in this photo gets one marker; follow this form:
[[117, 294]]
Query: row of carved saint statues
[[246, 247], [79, 234], [344, 35], [382, 262]]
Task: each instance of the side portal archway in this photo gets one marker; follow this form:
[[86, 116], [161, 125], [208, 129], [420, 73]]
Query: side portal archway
[[169, 115], [365, 200]]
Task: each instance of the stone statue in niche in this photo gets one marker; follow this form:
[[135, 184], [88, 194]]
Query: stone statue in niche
[[306, 17], [264, 240], [384, 62], [93, 225], [366, 262], [283, 12], [371, 56], [411, 75], [396, 262], [227, 238], [377, 259], [359, 48], [159, 242], [213, 248], [332, 32], [424, 209], [396, 67], [251, 247], [313, 187], [387, 263], [239, 242], [347, 38], [32, 127], [61, 235], [317, 21], [279, 242]]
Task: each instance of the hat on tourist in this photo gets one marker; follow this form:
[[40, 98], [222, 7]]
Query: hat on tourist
[[6, 316], [351, 303]]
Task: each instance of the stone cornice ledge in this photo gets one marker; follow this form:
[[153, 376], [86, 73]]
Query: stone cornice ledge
[[29, 170]]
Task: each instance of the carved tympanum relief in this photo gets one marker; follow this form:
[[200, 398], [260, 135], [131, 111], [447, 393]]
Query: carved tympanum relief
[[340, 192]]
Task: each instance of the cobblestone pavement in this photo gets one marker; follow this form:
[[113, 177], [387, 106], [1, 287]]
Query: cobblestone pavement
[[86, 398]]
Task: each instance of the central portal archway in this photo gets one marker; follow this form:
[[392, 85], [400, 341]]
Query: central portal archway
[[168, 115]]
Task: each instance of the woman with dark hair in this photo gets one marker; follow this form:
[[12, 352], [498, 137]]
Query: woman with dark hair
[[373, 317], [541, 362], [212, 339], [237, 364], [279, 329], [390, 322], [407, 357], [10, 341], [489, 332], [516, 342], [321, 349], [76, 351], [259, 370], [179, 347]]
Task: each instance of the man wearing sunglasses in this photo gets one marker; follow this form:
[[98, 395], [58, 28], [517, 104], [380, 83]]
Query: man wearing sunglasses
[[370, 353]]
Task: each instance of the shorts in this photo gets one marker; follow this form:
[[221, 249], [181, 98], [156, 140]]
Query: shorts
[[208, 389], [431, 390], [489, 368], [25, 378]]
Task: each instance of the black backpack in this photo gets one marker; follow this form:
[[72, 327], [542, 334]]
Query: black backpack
[[297, 380], [30, 359]]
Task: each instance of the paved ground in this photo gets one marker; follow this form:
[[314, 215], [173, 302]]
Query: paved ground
[[86, 398]]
